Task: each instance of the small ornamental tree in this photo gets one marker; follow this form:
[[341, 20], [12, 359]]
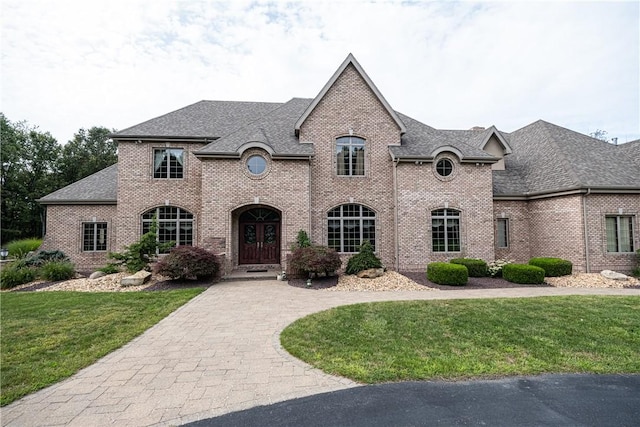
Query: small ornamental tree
[[188, 262], [363, 260], [140, 254], [315, 260]]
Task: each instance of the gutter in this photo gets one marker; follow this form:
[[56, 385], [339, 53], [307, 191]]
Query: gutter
[[586, 230]]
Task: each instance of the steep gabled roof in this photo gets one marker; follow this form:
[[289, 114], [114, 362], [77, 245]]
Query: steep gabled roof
[[272, 131], [631, 150], [350, 60], [99, 188], [202, 120]]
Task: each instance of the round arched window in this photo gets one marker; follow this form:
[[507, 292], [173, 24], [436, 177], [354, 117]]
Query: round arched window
[[256, 164], [444, 167]]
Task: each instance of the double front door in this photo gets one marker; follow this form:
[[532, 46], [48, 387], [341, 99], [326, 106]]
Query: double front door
[[259, 238]]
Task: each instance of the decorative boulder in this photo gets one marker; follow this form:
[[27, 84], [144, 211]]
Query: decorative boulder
[[136, 279], [608, 274], [371, 273], [97, 274]]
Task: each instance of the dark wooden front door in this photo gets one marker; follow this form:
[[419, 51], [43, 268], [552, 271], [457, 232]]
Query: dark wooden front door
[[259, 239]]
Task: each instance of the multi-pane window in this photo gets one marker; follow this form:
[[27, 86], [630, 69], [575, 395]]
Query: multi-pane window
[[174, 224], [168, 163], [619, 233], [94, 236], [350, 156], [502, 233], [349, 226], [445, 230]]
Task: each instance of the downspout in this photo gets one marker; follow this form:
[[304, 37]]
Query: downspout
[[396, 262], [309, 198], [586, 230]]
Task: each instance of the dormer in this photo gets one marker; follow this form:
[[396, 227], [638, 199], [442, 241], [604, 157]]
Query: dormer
[[494, 143]]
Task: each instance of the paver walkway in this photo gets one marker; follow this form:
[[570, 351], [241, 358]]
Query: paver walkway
[[217, 354]]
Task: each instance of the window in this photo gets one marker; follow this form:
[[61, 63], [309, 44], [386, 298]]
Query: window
[[444, 167], [168, 163], [174, 224], [502, 233], [350, 156], [619, 233], [94, 236], [349, 226], [256, 164], [445, 230]]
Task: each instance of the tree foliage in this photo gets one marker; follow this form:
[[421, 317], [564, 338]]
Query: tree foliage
[[34, 165]]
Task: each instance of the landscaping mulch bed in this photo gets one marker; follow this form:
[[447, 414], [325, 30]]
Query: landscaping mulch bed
[[319, 283], [474, 282]]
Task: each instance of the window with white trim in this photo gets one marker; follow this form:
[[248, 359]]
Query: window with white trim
[[168, 163], [349, 226], [502, 233], [94, 236], [350, 156], [619, 231], [174, 224], [445, 230]]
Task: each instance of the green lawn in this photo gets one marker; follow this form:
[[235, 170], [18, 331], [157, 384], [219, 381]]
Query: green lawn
[[48, 336], [455, 339]]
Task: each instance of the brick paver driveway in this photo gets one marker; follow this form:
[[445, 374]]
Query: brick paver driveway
[[217, 354]]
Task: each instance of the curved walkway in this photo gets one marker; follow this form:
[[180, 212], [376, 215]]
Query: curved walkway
[[217, 354]]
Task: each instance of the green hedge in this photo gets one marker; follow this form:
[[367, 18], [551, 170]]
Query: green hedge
[[476, 267], [553, 267], [444, 273], [523, 273]]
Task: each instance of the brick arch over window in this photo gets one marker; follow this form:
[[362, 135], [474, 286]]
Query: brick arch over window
[[349, 225], [174, 224]]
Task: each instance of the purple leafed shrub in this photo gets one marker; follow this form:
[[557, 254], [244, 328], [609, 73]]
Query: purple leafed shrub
[[188, 262]]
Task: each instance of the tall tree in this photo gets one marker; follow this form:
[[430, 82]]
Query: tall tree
[[88, 152], [29, 165]]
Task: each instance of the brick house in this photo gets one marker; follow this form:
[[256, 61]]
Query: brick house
[[242, 178]]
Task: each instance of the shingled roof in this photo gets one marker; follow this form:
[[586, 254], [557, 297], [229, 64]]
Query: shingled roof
[[99, 188]]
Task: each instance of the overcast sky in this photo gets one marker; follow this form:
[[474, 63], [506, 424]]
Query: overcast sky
[[75, 64]]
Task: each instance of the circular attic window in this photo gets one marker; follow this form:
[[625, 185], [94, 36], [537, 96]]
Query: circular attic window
[[256, 164], [444, 167]]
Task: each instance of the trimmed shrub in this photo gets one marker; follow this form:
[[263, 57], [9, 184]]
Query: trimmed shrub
[[188, 262], [476, 267], [314, 259], [109, 269], [523, 274], [302, 239], [12, 276], [57, 270], [363, 260], [137, 256], [494, 268], [444, 273], [553, 267], [41, 258], [20, 248]]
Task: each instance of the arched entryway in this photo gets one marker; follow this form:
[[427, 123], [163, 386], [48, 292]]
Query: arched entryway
[[259, 236]]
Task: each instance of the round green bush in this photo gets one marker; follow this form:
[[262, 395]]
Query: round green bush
[[363, 260], [13, 276], [476, 267], [523, 274], [57, 270], [553, 267], [444, 273], [188, 262]]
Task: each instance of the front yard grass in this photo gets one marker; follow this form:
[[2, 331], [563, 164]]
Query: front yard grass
[[460, 339], [48, 336]]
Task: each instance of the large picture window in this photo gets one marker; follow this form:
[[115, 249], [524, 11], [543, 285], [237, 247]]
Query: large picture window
[[94, 236], [445, 230], [350, 156], [619, 233], [168, 163], [349, 226], [174, 224]]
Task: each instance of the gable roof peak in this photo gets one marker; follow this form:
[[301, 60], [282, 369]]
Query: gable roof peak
[[350, 60]]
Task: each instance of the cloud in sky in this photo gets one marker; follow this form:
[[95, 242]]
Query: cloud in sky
[[73, 64]]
